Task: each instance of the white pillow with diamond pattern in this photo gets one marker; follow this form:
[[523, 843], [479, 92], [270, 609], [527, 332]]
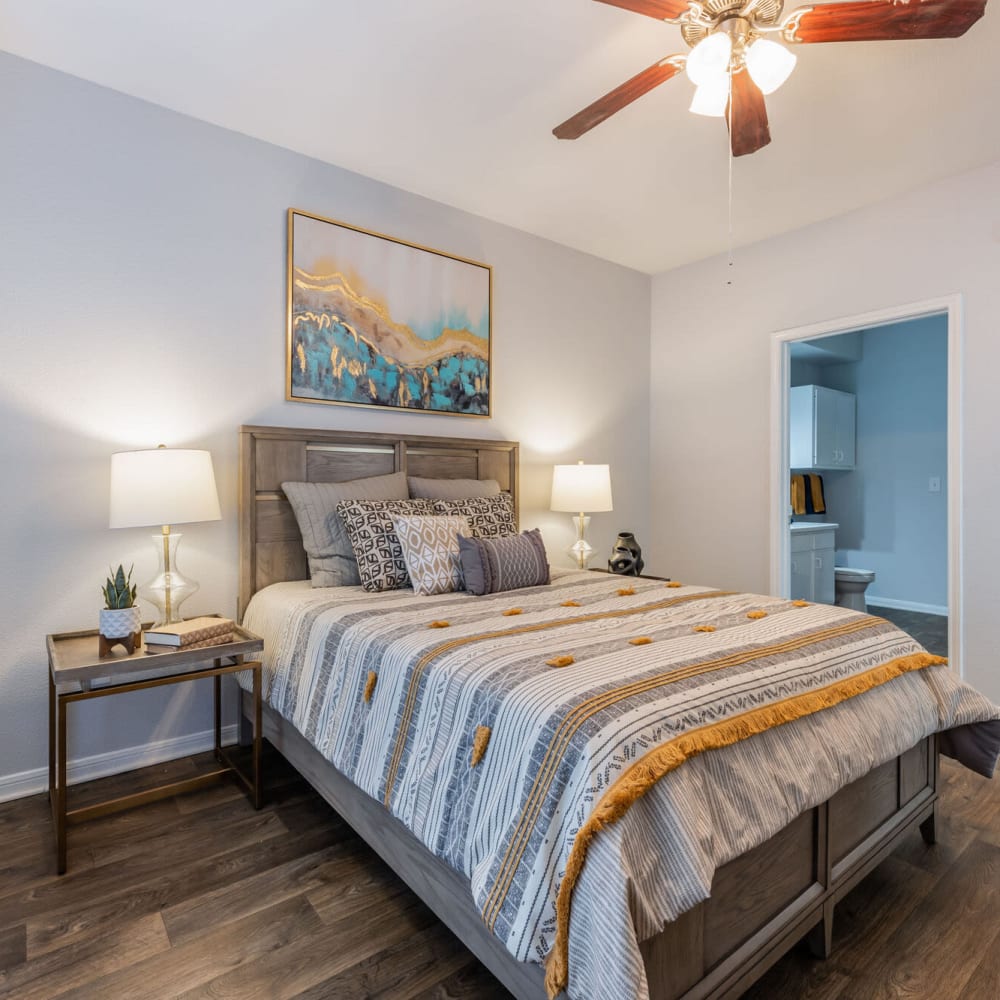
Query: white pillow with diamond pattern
[[430, 551]]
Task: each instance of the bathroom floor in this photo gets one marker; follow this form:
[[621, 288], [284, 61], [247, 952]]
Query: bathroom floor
[[931, 631]]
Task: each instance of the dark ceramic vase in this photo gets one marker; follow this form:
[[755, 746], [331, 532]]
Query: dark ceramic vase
[[626, 556]]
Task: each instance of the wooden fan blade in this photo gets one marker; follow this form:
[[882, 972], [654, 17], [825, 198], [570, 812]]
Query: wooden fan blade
[[885, 20], [662, 10], [604, 107], [746, 116]]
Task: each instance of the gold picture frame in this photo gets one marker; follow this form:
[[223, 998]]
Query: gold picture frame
[[377, 321]]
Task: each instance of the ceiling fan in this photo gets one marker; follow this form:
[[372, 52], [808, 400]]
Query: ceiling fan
[[734, 60]]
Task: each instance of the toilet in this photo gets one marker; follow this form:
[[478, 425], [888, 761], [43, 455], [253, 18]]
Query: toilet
[[850, 586]]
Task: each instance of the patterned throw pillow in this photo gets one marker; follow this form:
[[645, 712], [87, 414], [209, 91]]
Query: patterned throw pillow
[[430, 550], [375, 542], [491, 565], [489, 517]]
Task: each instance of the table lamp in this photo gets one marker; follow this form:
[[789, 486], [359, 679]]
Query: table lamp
[[581, 488], [164, 486]]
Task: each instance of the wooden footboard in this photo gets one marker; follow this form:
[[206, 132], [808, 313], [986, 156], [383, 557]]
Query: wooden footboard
[[766, 900], [762, 903]]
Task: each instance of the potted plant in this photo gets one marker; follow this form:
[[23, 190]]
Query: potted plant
[[120, 621]]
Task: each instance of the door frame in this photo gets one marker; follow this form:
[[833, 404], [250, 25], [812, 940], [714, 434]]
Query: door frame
[[780, 554]]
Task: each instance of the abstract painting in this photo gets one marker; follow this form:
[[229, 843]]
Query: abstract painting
[[377, 321]]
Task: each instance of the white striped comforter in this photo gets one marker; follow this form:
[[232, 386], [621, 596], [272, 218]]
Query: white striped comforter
[[561, 738]]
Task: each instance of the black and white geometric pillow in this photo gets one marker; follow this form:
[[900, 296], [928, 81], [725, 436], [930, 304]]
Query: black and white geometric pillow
[[488, 517], [374, 540]]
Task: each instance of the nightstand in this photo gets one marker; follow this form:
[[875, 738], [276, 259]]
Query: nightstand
[[78, 673], [628, 576]]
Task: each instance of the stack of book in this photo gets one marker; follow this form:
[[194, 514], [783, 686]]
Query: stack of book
[[195, 633]]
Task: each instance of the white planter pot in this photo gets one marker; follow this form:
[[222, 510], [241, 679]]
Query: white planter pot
[[118, 623]]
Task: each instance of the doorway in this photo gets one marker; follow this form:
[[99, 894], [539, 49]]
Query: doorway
[[894, 497]]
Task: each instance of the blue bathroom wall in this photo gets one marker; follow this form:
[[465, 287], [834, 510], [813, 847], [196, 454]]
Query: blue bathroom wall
[[805, 373], [889, 519]]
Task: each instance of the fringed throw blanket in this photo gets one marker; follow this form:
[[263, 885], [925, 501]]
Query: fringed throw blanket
[[508, 731]]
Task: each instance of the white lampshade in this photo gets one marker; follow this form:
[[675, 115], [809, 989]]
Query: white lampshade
[[709, 58], [581, 488], [712, 96], [162, 486], [769, 64]]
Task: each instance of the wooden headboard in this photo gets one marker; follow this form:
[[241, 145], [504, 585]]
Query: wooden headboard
[[270, 542]]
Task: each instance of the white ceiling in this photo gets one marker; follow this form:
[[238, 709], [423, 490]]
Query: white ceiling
[[456, 99]]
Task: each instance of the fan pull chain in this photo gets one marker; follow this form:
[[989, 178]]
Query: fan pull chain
[[732, 116]]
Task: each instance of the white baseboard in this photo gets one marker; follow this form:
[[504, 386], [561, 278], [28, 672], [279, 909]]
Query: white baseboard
[[15, 786], [888, 602]]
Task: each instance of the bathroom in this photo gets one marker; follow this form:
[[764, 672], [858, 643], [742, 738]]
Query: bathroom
[[868, 430]]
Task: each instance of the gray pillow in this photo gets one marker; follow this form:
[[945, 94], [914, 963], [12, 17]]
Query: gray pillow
[[492, 565], [324, 537], [452, 489]]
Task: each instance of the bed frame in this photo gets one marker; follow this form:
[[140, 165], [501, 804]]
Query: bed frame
[[762, 903]]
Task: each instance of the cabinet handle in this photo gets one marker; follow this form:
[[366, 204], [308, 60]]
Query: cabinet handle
[[817, 562]]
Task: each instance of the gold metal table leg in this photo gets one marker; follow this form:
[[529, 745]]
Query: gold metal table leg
[[61, 788], [217, 697], [257, 727], [52, 739]]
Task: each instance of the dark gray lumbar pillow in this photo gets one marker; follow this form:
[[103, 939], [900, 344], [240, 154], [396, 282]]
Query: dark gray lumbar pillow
[[492, 565]]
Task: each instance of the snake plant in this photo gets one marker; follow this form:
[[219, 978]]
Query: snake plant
[[118, 590]]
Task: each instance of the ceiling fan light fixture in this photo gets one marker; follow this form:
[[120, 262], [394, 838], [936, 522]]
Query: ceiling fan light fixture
[[769, 64], [709, 58], [711, 97]]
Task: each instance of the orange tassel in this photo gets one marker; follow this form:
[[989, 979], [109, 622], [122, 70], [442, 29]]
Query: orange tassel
[[512, 611], [675, 583], [640, 640], [479, 744], [560, 661], [626, 591], [439, 625], [704, 628], [370, 685], [756, 614], [801, 604], [570, 604]]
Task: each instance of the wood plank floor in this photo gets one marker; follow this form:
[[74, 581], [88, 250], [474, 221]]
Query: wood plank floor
[[200, 896]]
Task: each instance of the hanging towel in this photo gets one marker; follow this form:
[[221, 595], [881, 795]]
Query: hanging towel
[[815, 498], [807, 494], [798, 494]]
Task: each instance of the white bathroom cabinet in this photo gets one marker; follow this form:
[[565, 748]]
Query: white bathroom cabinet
[[821, 428], [813, 546]]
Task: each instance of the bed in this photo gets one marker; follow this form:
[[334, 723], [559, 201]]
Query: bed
[[761, 902]]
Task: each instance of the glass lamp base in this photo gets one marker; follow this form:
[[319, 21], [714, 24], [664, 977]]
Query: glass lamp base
[[169, 588], [581, 550]]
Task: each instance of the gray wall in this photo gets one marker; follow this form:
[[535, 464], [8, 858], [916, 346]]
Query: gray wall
[[142, 301], [711, 433]]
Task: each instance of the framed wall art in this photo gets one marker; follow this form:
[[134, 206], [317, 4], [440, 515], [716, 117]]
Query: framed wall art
[[376, 321]]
